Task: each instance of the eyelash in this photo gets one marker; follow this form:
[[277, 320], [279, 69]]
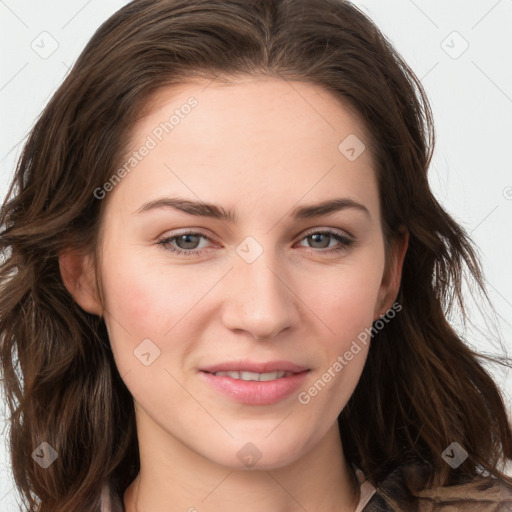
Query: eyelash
[[345, 242]]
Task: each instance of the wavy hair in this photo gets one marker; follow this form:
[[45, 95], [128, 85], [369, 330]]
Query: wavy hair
[[422, 387]]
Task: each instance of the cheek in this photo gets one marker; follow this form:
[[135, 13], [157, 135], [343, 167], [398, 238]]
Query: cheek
[[155, 302], [134, 298], [345, 303], [347, 299], [140, 305], [147, 299], [347, 309]]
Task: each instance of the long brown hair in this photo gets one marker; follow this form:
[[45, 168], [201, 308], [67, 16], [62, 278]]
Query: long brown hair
[[422, 387]]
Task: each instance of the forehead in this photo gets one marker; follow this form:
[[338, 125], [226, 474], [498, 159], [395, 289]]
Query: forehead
[[259, 105], [255, 136]]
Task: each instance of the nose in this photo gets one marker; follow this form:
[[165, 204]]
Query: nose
[[260, 299]]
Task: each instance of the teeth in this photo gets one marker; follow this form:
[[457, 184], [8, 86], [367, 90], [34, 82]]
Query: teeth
[[254, 376], [270, 376]]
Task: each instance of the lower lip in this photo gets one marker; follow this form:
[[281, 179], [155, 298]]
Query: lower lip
[[253, 392]]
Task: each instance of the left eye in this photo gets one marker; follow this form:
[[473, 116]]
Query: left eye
[[321, 236], [187, 243]]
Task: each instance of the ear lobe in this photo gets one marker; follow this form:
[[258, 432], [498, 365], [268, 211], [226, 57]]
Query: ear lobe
[[393, 274], [79, 278]]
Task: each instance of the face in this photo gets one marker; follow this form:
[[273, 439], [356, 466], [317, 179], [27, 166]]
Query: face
[[261, 283]]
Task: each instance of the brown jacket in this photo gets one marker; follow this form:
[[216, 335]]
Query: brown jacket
[[401, 491]]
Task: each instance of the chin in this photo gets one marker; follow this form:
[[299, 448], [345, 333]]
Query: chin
[[260, 454]]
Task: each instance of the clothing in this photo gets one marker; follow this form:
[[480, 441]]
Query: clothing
[[398, 493]]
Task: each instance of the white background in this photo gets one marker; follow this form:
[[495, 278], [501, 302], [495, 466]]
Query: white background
[[471, 96]]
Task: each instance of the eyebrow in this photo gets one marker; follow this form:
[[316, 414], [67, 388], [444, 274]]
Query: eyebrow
[[213, 211]]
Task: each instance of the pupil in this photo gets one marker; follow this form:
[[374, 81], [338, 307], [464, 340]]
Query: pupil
[[317, 235], [187, 238]]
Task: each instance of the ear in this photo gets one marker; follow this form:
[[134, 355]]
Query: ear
[[79, 277], [393, 273]]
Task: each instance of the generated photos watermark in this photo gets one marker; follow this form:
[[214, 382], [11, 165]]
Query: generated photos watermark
[[151, 142], [342, 360]]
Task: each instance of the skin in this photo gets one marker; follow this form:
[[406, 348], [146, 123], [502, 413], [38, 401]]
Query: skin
[[259, 147]]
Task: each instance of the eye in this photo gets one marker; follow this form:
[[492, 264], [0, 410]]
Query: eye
[[184, 243], [323, 239], [188, 243]]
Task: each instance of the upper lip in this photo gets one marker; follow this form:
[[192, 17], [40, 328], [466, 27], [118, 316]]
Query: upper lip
[[254, 366]]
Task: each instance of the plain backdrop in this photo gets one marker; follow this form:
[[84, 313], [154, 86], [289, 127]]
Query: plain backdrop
[[459, 49]]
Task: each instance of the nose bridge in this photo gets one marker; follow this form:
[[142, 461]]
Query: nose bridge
[[261, 302]]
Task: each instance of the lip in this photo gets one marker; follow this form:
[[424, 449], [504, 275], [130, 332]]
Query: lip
[[255, 392], [254, 366], [252, 392]]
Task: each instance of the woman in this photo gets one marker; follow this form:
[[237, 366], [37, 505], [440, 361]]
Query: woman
[[227, 281]]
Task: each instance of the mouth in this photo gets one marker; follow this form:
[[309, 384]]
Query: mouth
[[254, 376], [248, 366], [253, 383]]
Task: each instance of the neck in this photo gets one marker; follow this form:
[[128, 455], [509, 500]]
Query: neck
[[319, 481]]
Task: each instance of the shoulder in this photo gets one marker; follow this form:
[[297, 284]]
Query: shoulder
[[485, 494], [403, 490]]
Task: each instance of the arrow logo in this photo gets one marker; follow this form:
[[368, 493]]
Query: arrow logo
[[249, 249], [249, 454], [351, 147], [44, 455], [454, 455], [146, 352]]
